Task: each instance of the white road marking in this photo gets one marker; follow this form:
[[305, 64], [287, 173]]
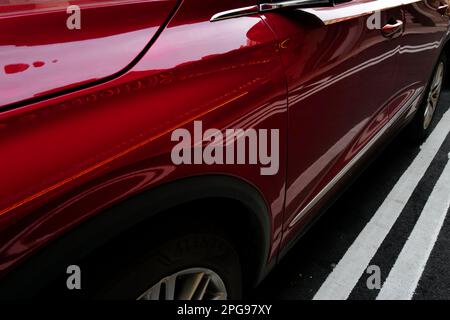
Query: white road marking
[[407, 271], [346, 274]]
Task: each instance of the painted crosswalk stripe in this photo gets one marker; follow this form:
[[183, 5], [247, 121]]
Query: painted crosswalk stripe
[[407, 271], [346, 274]]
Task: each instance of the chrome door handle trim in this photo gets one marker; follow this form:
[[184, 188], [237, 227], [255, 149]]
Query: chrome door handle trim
[[264, 7], [395, 25], [443, 9], [389, 30], [240, 12]]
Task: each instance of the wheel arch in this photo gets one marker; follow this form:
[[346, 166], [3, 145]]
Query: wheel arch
[[229, 192]]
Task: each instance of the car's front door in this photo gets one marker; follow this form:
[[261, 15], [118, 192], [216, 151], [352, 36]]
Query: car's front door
[[341, 67]]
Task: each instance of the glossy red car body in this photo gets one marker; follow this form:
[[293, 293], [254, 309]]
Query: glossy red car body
[[86, 115]]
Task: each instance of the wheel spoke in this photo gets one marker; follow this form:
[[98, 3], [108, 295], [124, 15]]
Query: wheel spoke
[[438, 84], [189, 284], [433, 96], [220, 296], [153, 294], [170, 287], [202, 288]]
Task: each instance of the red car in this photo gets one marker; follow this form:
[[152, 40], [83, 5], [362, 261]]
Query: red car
[[176, 149]]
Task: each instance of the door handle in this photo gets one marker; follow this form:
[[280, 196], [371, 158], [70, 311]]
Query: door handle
[[392, 29], [443, 9], [270, 6], [275, 5]]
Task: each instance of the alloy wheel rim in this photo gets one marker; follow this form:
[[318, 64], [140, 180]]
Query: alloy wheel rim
[[433, 96], [188, 284]]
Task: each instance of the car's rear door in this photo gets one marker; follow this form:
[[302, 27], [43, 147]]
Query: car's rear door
[[341, 66], [426, 26]]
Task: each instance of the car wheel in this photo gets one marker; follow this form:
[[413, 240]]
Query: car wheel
[[197, 266], [421, 126]]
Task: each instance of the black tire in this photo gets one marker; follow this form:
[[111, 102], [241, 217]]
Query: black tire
[[133, 263], [420, 129], [192, 250]]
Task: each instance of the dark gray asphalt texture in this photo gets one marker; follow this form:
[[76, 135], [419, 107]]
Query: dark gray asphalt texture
[[302, 272]]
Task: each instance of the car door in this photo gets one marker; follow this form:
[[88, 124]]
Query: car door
[[341, 67], [426, 25]]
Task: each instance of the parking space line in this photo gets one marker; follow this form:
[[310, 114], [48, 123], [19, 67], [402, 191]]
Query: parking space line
[[348, 271], [407, 271]]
